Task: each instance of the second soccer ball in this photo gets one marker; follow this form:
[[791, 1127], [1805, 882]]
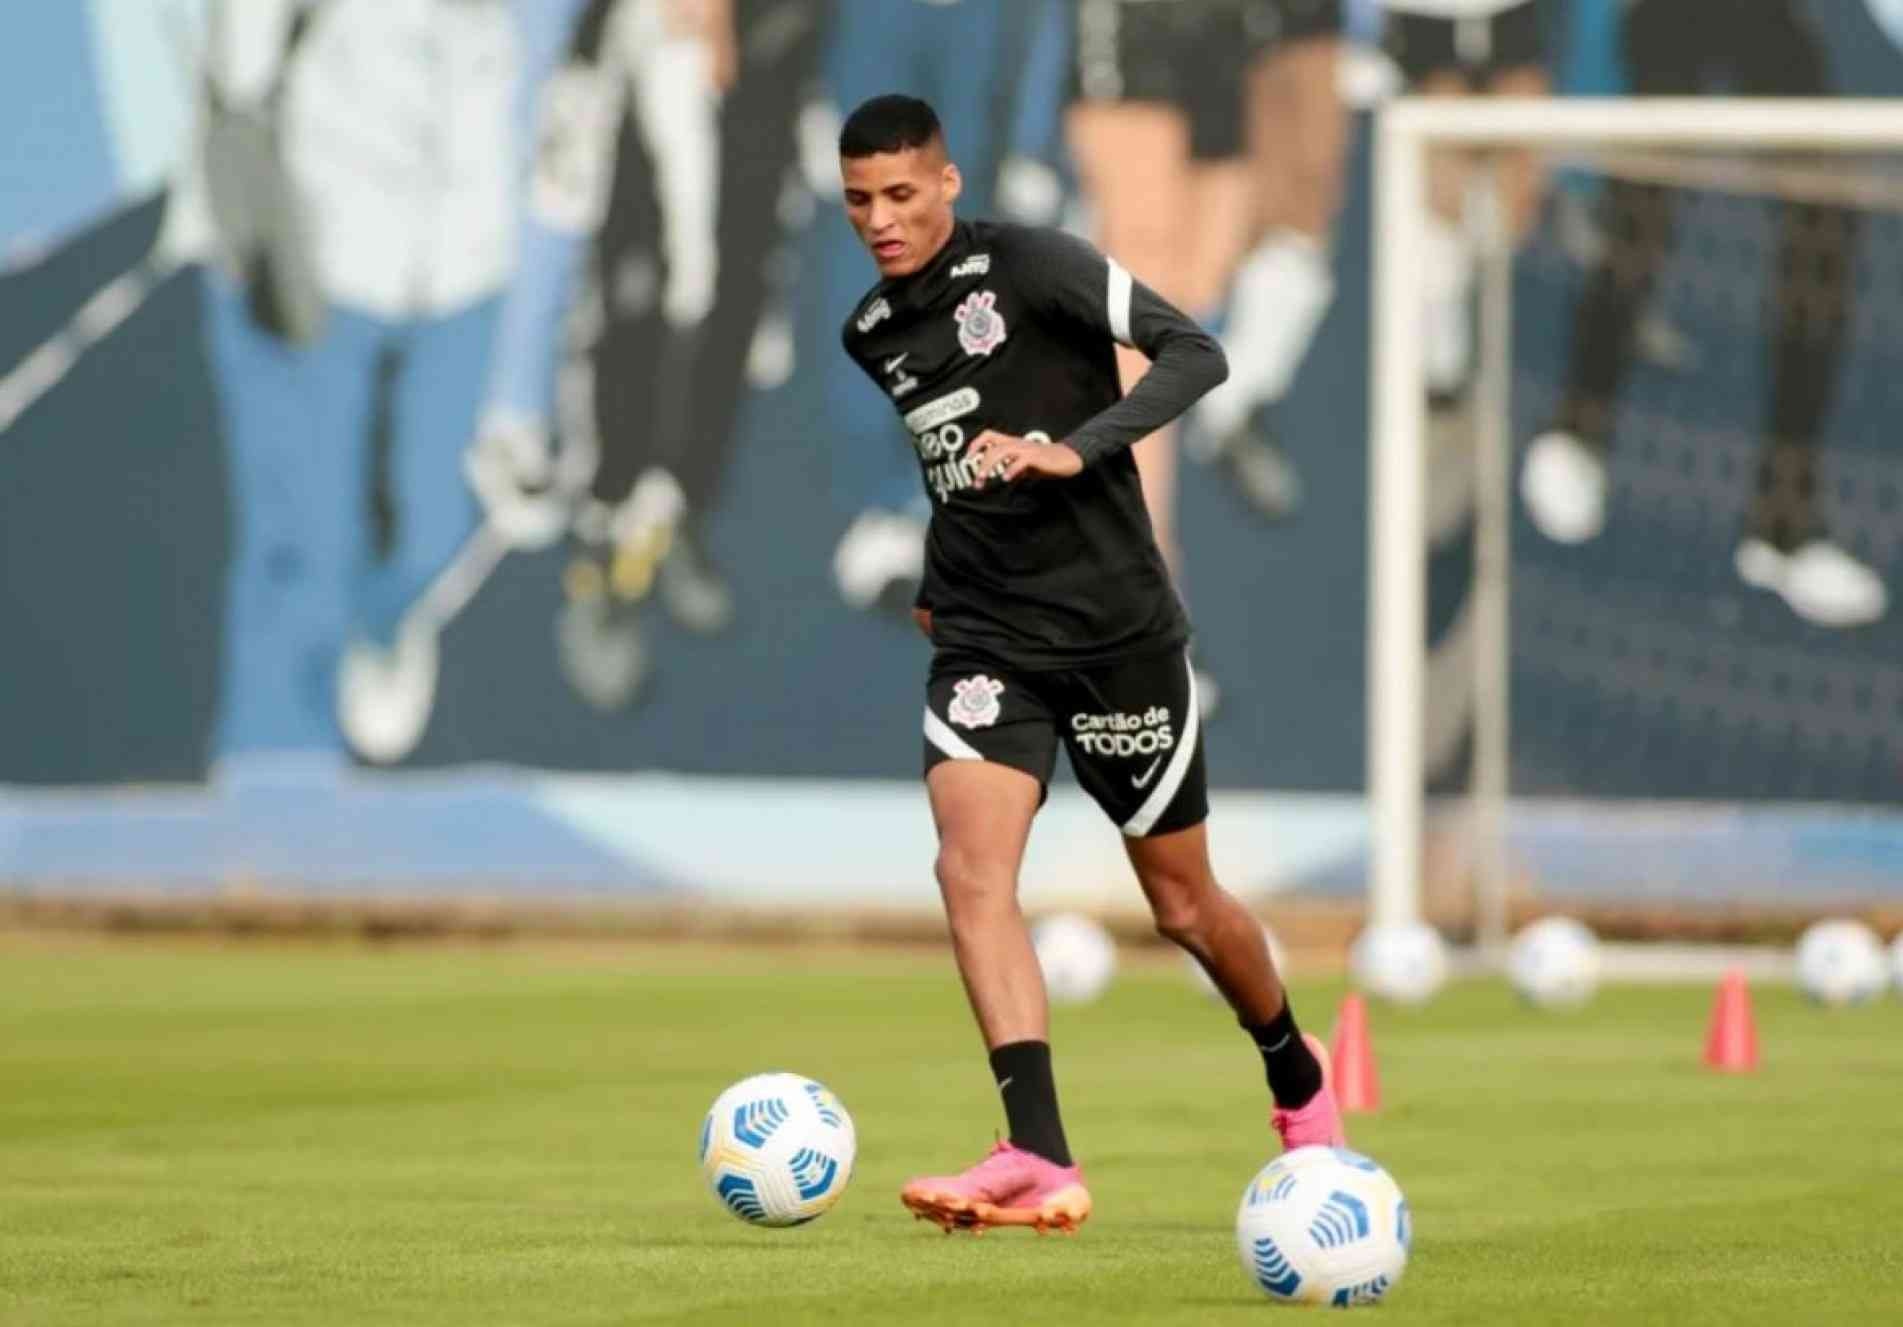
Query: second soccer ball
[[1077, 955], [1406, 964]]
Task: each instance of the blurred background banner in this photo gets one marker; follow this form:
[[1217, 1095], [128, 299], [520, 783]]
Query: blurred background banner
[[426, 462]]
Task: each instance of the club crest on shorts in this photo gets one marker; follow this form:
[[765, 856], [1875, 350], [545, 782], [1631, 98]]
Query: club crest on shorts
[[980, 325], [974, 701]]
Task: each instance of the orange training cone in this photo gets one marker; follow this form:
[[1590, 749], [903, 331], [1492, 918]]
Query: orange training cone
[[1357, 1085], [1731, 1046]]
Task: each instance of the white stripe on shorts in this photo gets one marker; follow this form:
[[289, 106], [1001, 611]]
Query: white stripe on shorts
[[1166, 787], [940, 735]]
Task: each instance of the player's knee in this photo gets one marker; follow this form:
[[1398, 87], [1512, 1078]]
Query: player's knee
[[1180, 909], [967, 880]]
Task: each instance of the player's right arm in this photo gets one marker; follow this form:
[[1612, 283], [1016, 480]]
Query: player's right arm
[[1067, 279]]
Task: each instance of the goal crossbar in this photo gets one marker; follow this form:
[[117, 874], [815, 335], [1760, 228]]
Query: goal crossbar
[[1397, 601]]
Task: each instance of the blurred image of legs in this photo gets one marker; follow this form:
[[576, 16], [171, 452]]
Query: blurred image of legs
[[1156, 128], [1297, 140], [1764, 48], [349, 331], [680, 255]]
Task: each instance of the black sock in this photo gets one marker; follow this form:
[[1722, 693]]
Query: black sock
[[1023, 1071], [1295, 1075]]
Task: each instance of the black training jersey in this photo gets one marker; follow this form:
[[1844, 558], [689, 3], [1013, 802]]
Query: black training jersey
[[1015, 329]]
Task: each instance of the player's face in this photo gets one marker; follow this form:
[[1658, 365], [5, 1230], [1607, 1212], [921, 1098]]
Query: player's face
[[901, 205]]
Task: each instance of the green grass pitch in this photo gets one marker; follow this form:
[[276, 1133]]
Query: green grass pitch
[[295, 1134]]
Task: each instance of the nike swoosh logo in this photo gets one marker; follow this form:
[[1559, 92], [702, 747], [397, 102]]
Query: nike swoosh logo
[[1003, 1084], [1143, 780], [892, 365]]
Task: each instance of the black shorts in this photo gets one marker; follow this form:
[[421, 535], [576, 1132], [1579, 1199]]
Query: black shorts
[[1189, 54], [1480, 48], [1269, 23], [1131, 728]]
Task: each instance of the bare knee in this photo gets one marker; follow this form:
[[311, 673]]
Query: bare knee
[[1181, 910], [971, 885]]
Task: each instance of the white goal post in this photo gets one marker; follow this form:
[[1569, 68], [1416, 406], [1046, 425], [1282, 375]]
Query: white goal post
[[1407, 129]]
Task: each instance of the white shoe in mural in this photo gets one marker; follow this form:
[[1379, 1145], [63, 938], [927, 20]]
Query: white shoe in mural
[[384, 695], [1563, 483], [1821, 582], [773, 354], [881, 555]]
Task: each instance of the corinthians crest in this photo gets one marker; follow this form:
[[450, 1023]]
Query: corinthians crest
[[975, 701], [980, 325]]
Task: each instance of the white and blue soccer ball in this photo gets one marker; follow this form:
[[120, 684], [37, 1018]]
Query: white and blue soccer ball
[[777, 1149], [1205, 984], [1077, 955], [1323, 1225], [1406, 963], [1554, 963], [1840, 962]]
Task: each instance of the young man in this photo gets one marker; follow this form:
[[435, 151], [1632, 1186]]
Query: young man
[[1053, 618]]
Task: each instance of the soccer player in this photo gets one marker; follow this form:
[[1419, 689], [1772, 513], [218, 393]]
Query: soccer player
[[1053, 619], [1760, 48]]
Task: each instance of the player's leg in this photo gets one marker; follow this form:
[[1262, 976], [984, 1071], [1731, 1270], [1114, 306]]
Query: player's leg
[[433, 412], [562, 157], [1448, 268], [1213, 927], [1787, 547], [1134, 737], [1297, 132], [1563, 480], [1523, 172], [989, 746], [982, 812], [387, 680], [296, 424], [757, 128], [1132, 158], [1501, 55], [672, 166]]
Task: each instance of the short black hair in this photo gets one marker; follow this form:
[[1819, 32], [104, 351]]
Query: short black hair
[[892, 123]]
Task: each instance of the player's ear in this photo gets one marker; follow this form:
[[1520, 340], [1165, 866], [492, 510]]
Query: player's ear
[[952, 182]]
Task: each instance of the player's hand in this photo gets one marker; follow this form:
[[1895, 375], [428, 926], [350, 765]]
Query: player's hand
[[923, 616], [1007, 458]]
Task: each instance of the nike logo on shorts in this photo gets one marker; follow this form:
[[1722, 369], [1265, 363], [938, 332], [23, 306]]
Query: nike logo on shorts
[[1143, 780], [892, 365]]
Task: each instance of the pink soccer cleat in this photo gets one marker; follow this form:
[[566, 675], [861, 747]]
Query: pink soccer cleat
[[1010, 1187], [1319, 1122]]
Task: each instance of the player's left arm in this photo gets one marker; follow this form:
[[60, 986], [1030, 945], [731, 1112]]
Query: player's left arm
[[1064, 278]]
